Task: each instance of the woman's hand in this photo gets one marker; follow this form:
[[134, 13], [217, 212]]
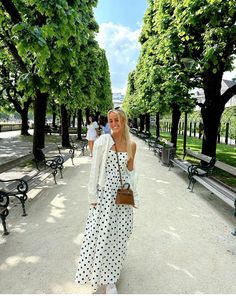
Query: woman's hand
[[93, 205]]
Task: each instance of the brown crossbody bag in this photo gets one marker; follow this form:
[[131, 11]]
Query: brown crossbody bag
[[124, 194]]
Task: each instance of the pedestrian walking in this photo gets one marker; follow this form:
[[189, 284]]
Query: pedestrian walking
[[105, 126], [92, 133], [109, 225]]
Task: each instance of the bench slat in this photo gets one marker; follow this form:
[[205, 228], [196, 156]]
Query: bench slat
[[183, 164], [226, 167], [198, 155], [216, 188]]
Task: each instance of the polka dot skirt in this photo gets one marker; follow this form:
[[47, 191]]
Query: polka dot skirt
[[108, 229]]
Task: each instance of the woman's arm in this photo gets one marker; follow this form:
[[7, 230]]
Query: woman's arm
[[130, 164], [133, 176], [94, 172]]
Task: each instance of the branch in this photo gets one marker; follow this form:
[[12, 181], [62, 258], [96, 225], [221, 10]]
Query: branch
[[228, 94], [16, 18], [14, 53], [16, 56], [13, 101]]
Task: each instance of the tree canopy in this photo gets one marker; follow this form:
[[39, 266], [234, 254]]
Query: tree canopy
[[186, 44]]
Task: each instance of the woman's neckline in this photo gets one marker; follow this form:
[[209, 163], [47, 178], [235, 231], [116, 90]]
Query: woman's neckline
[[118, 151]]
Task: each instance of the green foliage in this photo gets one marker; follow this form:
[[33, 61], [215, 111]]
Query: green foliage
[[55, 41], [203, 32]]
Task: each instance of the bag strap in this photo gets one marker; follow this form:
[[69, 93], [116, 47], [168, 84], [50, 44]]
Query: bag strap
[[118, 163]]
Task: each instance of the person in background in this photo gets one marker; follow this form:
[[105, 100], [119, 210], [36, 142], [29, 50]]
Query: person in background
[[105, 126], [109, 225], [92, 133]]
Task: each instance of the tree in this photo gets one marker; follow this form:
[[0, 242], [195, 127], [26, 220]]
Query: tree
[[178, 31], [47, 40], [160, 82], [207, 35], [12, 98]]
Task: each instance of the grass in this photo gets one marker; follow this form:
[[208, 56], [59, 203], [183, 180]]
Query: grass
[[224, 153]]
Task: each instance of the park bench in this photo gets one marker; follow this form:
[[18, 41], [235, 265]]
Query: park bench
[[143, 135], [50, 164], [140, 134], [203, 173], [133, 130], [156, 143], [4, 202], [52, 129], [151, 142], [18, 188], [81, 145], [187, 166], [215, 186], [47, 129]]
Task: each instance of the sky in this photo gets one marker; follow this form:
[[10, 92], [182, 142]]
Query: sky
[[120, 23]]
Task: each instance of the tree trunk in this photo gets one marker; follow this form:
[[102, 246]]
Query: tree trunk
[[141, 127], [87, 114], [54, 115], [64, 127], [23, 111], [157, 124], [69, 120], [79, 122], [147, 122], [211, 112], [211, 116], [176, 113], [97, 114], [73, 121], [24, 121], [40, 107]]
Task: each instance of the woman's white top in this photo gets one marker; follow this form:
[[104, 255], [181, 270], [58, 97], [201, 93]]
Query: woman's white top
[[91, 132], [97, 174]]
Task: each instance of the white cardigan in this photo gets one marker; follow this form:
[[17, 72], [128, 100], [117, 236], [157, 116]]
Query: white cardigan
[[98, 175]]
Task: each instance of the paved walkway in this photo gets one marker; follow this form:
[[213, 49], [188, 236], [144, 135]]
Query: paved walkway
[[181, 241], [12, 146]]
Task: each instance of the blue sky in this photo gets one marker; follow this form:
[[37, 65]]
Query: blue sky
[[120, 23]]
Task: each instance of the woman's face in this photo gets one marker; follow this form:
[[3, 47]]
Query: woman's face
[[90, 119], [116, 125]]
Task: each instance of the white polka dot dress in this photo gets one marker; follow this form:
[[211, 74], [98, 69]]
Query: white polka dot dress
[[108, 229]]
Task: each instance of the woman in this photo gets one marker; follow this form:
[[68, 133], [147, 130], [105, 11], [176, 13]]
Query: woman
[[109, 226], [105, 126], [92, 133]]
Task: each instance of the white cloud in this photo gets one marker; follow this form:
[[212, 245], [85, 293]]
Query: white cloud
[[122, 50]]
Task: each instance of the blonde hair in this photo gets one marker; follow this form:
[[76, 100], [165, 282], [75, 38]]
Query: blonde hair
[[125, 135]]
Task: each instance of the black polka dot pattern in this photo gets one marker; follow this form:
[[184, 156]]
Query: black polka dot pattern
[[108, 229]]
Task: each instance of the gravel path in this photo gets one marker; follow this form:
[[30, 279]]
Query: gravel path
[[181, 242]]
